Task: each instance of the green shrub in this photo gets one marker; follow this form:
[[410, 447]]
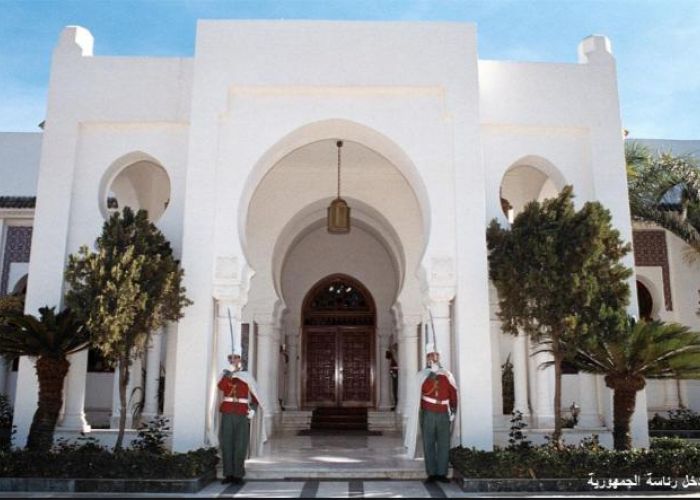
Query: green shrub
[[11, 304], [6, 412], [670, 443], [151, 437], [88, 459], [516, 436], [575, 462], [681, 419]]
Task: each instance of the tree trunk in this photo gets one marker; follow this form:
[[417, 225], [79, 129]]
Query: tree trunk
[[51, 373], [624, 400], [556, 435], [123, 383]]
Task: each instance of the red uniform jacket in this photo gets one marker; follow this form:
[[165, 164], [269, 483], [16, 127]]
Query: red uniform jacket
[[438, 388], [236, 388]]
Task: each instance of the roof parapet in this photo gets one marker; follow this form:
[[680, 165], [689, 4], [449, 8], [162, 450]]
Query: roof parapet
[[75, 40], [595, 49]]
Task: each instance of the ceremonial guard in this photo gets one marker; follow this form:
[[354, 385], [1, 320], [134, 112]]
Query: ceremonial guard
[[431, 413], [240, 405]]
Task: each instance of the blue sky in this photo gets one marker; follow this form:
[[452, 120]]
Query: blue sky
[[656, 43]]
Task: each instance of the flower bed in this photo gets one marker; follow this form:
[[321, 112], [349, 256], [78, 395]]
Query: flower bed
[[572, 468], [90, 467]]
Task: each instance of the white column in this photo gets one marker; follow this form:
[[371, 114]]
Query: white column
[[267, 364], [150, 406], [293, 382], [520, 374], [589, 418], [74, 394], [670, 394], [544, 392], [443, 332], [170, 340], [401, 361], [135, 380], [409, 338], [384, 376], [278, 368]]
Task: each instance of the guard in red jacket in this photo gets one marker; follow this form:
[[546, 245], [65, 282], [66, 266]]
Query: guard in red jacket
[[438, 405], [238, 406]]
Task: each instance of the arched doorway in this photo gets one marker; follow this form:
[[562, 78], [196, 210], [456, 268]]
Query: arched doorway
[[645, 300], [338, 336]]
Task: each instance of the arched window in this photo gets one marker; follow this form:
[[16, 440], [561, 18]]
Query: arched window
[[140, 185], [339, 300], [525, 182], [645, 300]]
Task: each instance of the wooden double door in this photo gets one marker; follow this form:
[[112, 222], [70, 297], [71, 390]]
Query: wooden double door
[[338, 366]]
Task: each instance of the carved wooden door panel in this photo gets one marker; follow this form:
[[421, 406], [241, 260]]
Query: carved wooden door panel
[[355, 353], [321, 367], [339, 366]]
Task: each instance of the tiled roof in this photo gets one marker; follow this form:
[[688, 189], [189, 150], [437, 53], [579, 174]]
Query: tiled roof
[[30, 202], [17, 201]]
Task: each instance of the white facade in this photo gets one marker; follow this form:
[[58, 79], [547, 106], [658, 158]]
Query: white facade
[[236, 147]]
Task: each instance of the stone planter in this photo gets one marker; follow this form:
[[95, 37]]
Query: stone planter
[[94, 485]]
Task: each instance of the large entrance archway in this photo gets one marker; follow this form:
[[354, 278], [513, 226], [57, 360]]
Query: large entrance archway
[[338, 337], [290, 252]]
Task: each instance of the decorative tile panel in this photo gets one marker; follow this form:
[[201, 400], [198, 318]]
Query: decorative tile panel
[[650, 250], [17, 245]]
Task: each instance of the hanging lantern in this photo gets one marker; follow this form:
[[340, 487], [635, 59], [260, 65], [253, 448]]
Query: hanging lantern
[[339, 211]]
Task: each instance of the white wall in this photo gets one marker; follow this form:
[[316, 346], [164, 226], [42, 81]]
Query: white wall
[[19, 163]]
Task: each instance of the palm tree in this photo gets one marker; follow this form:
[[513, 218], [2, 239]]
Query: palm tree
[[50, 338], [630, 355], [665, 189]]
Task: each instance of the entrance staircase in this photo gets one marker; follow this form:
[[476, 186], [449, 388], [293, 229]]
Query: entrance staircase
[[339, 419], [334, 454]]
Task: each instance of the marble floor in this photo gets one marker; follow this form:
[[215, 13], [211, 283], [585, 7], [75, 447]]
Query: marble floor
[[340, 456]]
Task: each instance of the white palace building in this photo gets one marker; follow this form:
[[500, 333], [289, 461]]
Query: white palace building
[[233, 152]]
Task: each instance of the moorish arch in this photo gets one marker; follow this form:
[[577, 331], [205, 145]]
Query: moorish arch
[[531, 178], [137, 180], [284, 231], [332, 130]]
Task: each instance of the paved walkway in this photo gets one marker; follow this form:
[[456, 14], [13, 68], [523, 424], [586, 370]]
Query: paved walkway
[[335, 466], [342, 455], [338, 489]]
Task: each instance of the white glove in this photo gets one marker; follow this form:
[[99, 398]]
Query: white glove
[[251, 413], [452, 417]]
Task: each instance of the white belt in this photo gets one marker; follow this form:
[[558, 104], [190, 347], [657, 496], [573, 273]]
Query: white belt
[[236, 400], [436, 401]]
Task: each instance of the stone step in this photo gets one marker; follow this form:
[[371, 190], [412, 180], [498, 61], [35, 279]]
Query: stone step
[[339, 418], [333, 418], [336, 473], [339, 426]]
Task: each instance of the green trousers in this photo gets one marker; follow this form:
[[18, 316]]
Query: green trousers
[[234, 437], [436, 441]]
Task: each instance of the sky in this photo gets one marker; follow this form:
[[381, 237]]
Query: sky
[[656, 43]]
